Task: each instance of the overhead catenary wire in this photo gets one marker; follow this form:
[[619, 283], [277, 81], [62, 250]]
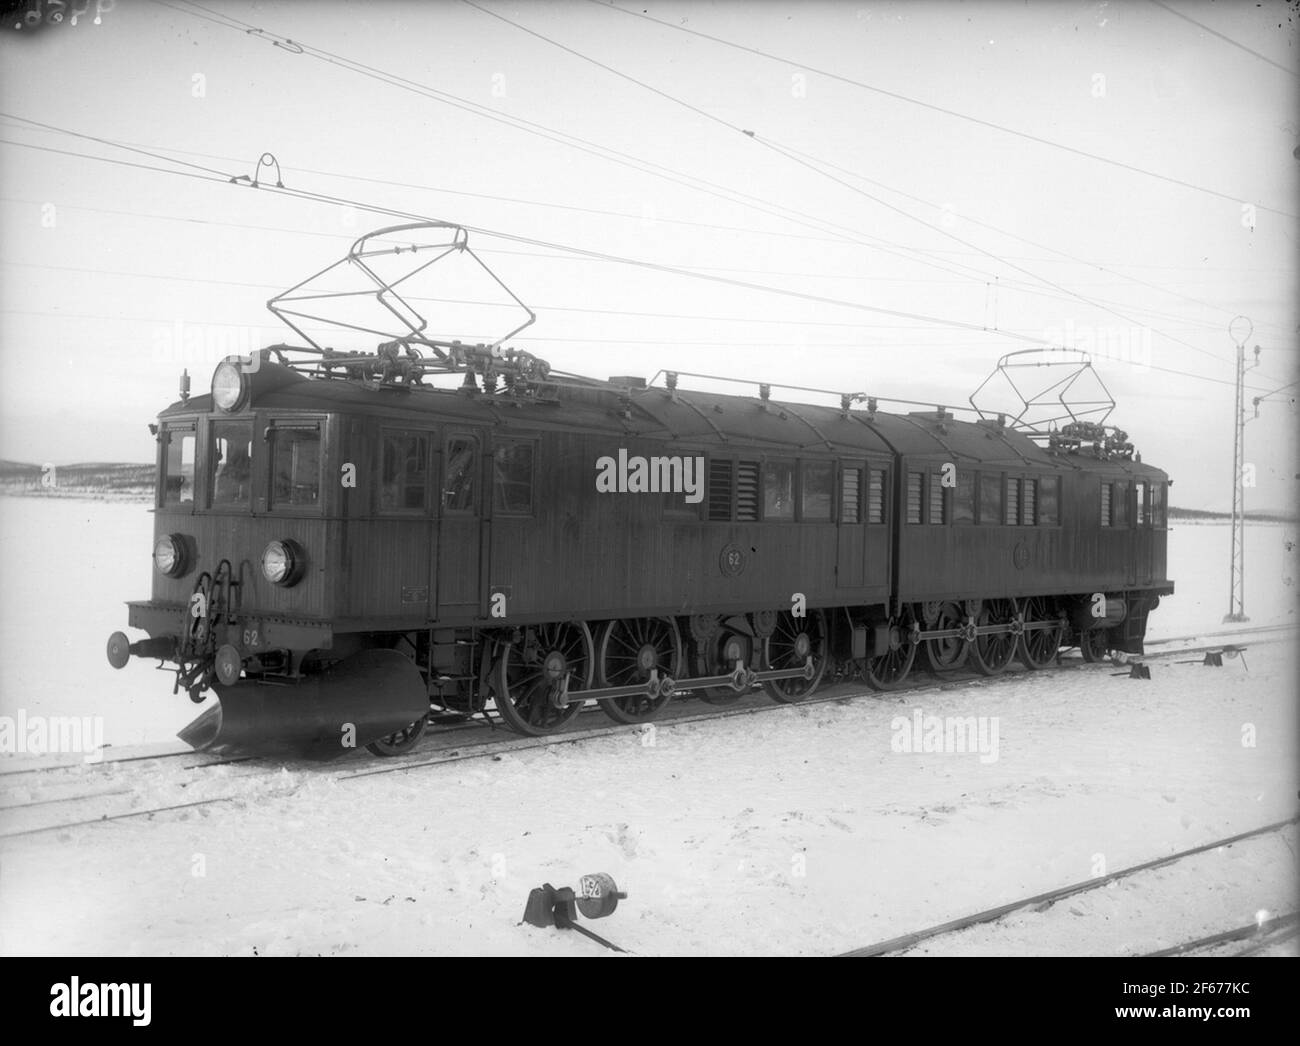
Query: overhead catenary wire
[[299, 47], [1235, 198], [779, 148], [227, 180], [1225, 39], [533, 241]]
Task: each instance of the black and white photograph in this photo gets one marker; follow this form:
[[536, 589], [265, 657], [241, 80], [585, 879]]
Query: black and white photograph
[[608, 479]]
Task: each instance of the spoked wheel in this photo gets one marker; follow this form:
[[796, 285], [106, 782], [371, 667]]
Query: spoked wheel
[[1038, 647], [630, 649], [947, 655], [991, 654], [1094, 645], [730, 648], [887, 671], [791, 643], [533, 671], [401, 742]]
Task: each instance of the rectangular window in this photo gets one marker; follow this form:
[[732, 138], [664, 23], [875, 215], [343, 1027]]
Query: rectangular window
[[1107, 517], [404, 471], [851, 496], [747, 493], [818, 492], [778, 490], [1159, 516], [876, 484], [1119, 504], [963, 498], [512, 478], [459, 486], [720, 490], [296, 467], [991, 498], [1141, 505], [1049, 500], [178, 466], [231, 462], [1013, 502], [936, 499], [914, 481], [1028, 502]]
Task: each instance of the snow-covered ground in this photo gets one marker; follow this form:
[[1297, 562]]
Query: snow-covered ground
[[803, 830]]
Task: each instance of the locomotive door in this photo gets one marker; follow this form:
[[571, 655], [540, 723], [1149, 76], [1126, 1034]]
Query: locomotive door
[[1142, 544], [460, 526], [851, 555]]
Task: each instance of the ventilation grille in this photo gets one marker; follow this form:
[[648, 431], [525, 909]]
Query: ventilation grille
[[876, 497], [748, 492], [720, 477], [914, 497], [850, 491]]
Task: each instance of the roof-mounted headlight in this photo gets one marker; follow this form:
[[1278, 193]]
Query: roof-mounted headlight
[[230, 384]]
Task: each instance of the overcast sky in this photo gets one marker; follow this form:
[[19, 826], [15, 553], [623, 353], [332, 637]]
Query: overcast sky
[[115, 276]]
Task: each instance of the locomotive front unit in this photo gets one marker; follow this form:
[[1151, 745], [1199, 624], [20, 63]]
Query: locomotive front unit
[[248, 513]]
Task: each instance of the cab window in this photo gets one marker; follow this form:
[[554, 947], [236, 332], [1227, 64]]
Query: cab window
[[512, 478], [404, 472], [232, 462], [459, 493], [178, 466], [296, 467]]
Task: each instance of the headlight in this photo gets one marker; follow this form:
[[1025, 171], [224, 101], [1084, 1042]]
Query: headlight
[[169, 556], [283, 563], [229, 387]]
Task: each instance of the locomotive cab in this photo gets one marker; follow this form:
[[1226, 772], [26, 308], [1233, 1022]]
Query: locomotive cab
[[243, 595]]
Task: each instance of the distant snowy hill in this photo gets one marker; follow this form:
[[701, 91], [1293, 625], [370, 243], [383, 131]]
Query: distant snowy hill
[[94, 479]]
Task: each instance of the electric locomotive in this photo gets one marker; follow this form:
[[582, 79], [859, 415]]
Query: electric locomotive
[[343, 544]]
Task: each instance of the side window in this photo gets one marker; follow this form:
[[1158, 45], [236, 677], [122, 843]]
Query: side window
[[991, 498], [876, 485], [1107, 496], [818, 491], [460, 475], [778, 490], [963, 498], [296, 465], [914, 481], [1141, 520], [177, 479], [851, 495], [1013, 501], [1119, 504], [720, 489], [1049, 501], [512, 478], [937, 514], [231, 462], [1028, 502], [404, 471], [1159, 515]]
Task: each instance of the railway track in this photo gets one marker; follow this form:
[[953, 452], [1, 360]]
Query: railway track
[[1284, 924], [456, 742]]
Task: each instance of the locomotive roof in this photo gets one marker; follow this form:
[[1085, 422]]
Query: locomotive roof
[[693, 417]]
